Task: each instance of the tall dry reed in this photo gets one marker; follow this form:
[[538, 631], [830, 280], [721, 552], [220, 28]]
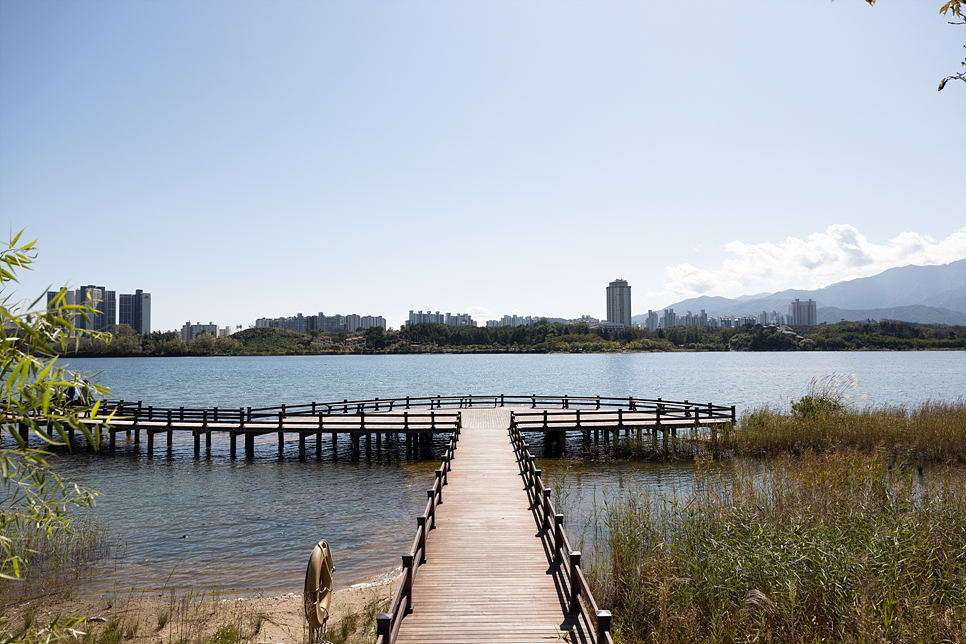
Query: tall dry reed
[[821, 547], [937, 430]]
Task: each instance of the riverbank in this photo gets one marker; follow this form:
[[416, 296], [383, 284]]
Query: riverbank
[[200, 617], [540, 338]]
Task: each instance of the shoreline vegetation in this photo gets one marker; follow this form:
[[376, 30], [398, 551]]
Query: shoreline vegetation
[[543, 337], [825, 523]]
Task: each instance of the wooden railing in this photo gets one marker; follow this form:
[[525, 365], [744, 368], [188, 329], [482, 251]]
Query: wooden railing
[[248, 414], [387, 624], [673, 414], [561, 548]]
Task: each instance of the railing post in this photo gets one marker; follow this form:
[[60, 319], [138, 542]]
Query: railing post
[[574, 580], [439, 484], [546, 505], [421, 526], [558, 537], [409, 571], [241, 417], [603, 624], [431, 497], [384, 627]]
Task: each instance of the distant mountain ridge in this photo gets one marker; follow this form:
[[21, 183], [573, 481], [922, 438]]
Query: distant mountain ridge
[[921, 294]]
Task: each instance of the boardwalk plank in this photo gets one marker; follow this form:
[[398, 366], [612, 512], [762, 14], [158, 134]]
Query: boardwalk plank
[[488, 577]]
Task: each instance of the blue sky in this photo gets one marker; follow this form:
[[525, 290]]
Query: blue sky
[[249, 159]]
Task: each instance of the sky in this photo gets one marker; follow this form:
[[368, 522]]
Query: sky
[[251, 159]]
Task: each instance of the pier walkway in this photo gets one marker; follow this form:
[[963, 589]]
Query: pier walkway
[[490, 574]]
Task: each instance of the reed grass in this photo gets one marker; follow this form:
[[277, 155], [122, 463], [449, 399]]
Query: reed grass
[[830, 547], [937, 430], [54, 562]]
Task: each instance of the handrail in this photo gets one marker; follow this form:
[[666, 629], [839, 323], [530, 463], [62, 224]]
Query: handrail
[[562, 550], [388, 623], [138, 410], [589, 419]]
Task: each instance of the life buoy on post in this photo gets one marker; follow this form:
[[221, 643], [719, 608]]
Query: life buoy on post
[[318, 589]]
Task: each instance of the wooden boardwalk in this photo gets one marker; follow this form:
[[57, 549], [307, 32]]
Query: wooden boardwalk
[[489, 575]]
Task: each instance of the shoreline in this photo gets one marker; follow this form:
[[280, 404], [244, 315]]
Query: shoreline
[[259, 619]]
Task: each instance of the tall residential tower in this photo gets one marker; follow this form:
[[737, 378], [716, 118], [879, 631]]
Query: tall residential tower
[[619, 303]]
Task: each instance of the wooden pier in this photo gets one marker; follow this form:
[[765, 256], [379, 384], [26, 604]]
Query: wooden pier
[[416, 419], [490, 561]]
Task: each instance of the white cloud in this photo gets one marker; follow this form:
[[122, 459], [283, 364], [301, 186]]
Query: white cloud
[[839, 253], [481, 314]]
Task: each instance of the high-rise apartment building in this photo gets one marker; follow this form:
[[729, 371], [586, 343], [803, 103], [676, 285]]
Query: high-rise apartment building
[[103, 302], [803, 313], [619, 303], [135, 311]]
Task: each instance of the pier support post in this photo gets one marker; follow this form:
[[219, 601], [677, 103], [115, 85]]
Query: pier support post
[[318, 446], [368, 447], [335, 445], [197, 446], [137, 435], [150, 443], [233, 438], [281, 445], [112, 441], [208, 443], [355, 446], [301, 446], [170, 440], [249, 446]]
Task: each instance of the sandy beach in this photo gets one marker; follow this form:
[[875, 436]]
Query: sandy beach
[[200, 617]]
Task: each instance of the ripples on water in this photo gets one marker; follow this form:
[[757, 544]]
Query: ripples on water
[[249, 526]]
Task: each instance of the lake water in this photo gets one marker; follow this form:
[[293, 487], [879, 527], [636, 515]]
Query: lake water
[[249, 526]]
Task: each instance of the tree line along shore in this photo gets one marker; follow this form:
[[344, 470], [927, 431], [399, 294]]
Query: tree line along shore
[[543, 337]]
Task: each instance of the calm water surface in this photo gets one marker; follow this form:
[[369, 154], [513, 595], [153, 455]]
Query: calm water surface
[[249, 526]]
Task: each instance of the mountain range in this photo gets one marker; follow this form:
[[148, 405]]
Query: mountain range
[[921, 294]]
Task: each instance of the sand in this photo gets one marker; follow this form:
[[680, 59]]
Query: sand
[[274, 619]]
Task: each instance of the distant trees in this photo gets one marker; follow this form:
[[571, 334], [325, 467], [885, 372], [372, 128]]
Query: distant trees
[[545, 337]]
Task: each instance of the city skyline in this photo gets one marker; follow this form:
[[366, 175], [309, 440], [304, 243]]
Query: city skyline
[[931, 286], [381, 157]]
